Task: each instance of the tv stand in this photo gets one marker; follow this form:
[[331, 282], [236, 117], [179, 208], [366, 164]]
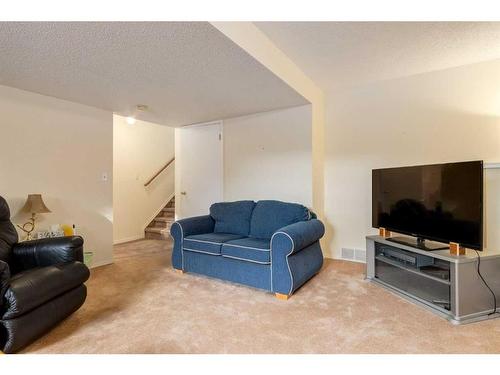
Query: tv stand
[[445, 284], [419, 243]]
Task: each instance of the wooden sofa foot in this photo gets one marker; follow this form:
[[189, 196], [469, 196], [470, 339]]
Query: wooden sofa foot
[[179, 271], [283, 297]]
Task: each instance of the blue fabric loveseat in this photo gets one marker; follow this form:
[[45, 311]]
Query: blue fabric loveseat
[[270, 245]]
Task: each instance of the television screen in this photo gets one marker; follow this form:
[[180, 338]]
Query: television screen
[[442, 202]]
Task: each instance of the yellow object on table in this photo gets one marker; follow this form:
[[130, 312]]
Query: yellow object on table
[[68, 230]]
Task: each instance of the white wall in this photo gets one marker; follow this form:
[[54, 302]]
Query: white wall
[[492, 208], [139, 151], [443, 116], [268, 156], [59, 149], [249, 37]]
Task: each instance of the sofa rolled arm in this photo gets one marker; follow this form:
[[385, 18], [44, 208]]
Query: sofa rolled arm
[[193, 225], [4, 279], [47, 252], [188, 227], [296, 255], [297, 236]]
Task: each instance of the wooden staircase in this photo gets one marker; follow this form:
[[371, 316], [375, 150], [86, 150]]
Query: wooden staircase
[[159, 228]]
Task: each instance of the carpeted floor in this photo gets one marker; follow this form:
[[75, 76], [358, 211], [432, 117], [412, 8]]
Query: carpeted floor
[[140, 305]]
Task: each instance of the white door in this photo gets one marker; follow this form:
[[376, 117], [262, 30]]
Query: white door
[[199, 168]]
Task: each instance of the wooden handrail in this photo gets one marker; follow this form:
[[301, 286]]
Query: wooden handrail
[[158, 173]]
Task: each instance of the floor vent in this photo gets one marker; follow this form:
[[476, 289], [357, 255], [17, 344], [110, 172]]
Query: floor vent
[[353, 255]]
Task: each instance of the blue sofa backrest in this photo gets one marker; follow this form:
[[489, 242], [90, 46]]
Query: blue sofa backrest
[[268, 216], [232, 217]]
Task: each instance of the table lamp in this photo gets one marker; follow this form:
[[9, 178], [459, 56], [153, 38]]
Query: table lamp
[[34, 205]]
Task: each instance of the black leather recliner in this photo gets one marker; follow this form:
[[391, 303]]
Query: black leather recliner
[[41, 283]]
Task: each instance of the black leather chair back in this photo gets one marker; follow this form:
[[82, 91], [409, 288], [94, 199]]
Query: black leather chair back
[[8, 233]]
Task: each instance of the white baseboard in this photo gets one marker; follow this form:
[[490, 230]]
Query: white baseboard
[[129, 239], [353, 260]]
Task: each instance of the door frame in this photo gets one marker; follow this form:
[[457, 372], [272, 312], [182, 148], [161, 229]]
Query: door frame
[[178, 162]]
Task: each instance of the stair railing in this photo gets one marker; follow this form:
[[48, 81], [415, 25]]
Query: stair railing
[[159, 172]]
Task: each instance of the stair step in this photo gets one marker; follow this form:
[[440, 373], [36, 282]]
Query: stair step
[[154, 236], [159, 230], [160, 225], [164, 219]]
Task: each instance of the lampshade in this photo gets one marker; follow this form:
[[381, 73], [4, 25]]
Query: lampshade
[[34, 204]]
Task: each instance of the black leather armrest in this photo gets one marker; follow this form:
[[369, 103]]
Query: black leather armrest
[[31, 289], [4, 279], [47, 251]]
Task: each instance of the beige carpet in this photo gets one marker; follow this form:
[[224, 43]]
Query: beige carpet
[[140, 305]]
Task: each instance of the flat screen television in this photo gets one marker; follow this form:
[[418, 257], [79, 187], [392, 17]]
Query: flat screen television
[[441, 202]]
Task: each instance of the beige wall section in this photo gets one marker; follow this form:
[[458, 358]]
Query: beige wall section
[[59, 149], [442, 116], [258, 45], [139, 151], [268, 156], [492, 208]]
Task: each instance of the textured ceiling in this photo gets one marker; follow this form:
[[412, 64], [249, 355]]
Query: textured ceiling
[[339, 54], [186, 72]]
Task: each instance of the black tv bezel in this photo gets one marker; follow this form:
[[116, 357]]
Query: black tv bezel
[[419, 235]]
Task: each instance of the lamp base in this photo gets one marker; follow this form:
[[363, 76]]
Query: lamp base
[[28, 227]]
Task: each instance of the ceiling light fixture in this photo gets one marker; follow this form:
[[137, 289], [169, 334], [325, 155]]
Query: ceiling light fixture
[[138, 109]]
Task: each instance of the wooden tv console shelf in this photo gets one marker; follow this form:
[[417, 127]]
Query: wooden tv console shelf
[[446, 284]]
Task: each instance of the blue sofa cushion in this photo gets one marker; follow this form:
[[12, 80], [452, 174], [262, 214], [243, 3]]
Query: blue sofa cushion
[[249, 249], [269, 216], [209, 243], [232, 217]]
